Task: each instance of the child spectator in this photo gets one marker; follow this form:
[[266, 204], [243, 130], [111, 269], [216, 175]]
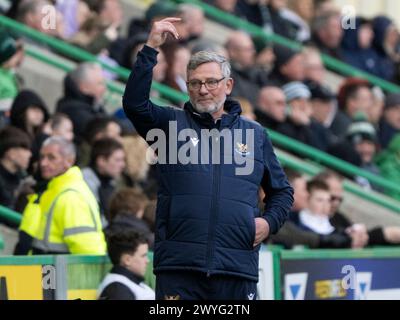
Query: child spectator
[[128, 251]]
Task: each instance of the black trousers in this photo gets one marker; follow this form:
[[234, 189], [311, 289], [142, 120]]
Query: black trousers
[[191, 285]]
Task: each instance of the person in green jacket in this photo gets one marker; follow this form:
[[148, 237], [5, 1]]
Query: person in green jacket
[[389, 163], [11, 56]]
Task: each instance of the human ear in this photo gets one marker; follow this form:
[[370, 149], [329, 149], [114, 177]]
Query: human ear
[[229, 86]]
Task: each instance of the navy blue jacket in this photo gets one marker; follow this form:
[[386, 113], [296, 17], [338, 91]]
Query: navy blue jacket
[[205, 213], [366, 59]]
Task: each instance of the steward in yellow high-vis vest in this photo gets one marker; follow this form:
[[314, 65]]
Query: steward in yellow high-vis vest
[[65, 218]]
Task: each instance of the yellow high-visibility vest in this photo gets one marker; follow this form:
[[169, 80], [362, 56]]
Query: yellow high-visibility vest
[[65, 218]]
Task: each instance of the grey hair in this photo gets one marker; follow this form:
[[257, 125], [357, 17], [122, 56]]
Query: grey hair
[[320, 22], [202, 57], [188, 8], [30, 6], [82, 72], [67, 148]]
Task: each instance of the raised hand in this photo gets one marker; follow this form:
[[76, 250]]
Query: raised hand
[[160, 31]]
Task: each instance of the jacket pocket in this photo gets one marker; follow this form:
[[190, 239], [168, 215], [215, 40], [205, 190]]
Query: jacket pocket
[[256, 214]]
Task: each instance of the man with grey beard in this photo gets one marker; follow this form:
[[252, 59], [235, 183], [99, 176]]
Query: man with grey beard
[[208, 225]]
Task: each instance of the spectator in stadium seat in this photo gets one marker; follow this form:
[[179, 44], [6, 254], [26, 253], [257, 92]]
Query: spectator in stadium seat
[[110, 14], [61, 126], [288, 67], [84, 90], [137, 166], [359, 148], [324, 107], [300, 13], [98, 128], [315, 217], [128, 252], [241, 52], [291, 234], [267, 14], [193, 15], [191, 252], [389, 124], [271, 107], [94, 36], [327, 33], [177, 57], [358, 50], [106, 165], [386, 42], [58, 125], [29, 112], [354, 98], [65, 217], [361, 236], [264, 61], [127, 208], [75, 13], [33, 13], [15, 153], [11, 57], [298, 124], [314, 69]]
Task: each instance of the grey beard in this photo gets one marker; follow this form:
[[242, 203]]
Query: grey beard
[[210, 110]]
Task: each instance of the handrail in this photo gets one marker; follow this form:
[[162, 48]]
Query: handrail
[[10, 215], [254, 30], [113, 86], [80, 54], [331, 161]]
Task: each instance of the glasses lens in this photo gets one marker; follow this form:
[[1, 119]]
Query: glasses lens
[[194, 84], [211, 84]]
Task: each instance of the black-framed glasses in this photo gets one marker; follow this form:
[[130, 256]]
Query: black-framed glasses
[[210, 84]]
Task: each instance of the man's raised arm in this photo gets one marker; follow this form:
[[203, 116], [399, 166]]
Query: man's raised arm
[[136, 100]]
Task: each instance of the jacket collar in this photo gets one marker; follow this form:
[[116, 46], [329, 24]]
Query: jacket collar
[[232, 108], [71, 91], [129, 274], [62, 181]]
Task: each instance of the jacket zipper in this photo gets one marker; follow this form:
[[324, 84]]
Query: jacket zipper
[[213, 216]]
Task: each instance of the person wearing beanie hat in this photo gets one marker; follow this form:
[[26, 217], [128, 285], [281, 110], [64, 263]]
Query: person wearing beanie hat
[[299, 124], [323, 103], [15, 154], [11, 55], [28, 112], [289, 66], [354, 97], [359, 147], [389, 124]]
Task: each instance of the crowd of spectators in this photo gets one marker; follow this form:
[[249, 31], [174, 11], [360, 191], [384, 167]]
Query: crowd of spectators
[[284, 89]]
